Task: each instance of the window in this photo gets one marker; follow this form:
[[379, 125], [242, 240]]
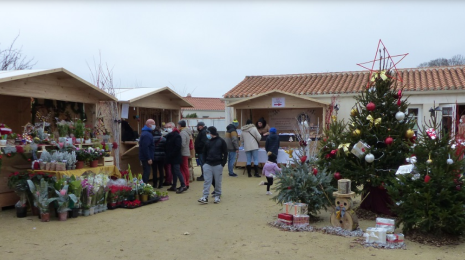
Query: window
[[414, 113]]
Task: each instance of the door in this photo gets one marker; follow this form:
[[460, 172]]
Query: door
[[448, 119]]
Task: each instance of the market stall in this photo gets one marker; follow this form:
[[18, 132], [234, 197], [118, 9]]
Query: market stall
[[136, 105], [38, 100], [280, 110]]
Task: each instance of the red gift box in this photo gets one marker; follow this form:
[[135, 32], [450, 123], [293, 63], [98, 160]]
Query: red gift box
[[285, 218]]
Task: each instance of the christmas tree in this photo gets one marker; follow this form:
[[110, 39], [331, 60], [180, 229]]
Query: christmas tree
[[429, 196], [376, 141]]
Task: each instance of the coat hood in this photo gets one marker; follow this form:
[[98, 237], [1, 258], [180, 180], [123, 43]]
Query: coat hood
[[230, 128], [247, 127]]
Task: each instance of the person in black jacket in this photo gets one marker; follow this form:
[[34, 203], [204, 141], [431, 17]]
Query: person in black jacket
[[158, 159], [272, 142], [216, 155], [174, 156], [146, 149], [199, 144]]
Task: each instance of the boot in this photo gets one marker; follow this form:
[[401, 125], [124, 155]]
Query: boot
[[249, 169], [255, 167]]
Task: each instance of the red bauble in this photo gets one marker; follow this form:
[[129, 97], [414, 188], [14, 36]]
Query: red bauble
[[289, 187], [389, 140], [371, 106], [327, 156], [427, 178], [324, 139], [337, 176], [398, 102], [333, 153], [315, 171], [115, 145], [303, 159]]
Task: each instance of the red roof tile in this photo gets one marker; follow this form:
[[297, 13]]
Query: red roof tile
[[416, 79], [204, 103]]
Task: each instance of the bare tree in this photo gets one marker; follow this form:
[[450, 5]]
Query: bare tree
[[456, 60], [12, 58]]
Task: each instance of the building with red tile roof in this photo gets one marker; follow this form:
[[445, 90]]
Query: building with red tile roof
[[426, 87]]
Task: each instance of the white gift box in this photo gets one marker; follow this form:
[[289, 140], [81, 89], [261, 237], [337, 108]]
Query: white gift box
[[375, 235], [295, 208], [360, 149], [395, 239], [405, 169], [387, 223]]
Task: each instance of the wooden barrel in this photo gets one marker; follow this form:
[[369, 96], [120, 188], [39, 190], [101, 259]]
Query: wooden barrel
[[343, 186]]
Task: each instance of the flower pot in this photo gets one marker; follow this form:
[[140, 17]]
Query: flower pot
[[144, 197], [79, 140], [63, 216], [94, 163], [2, 142], [88, 141], [74, 213], [86, 212], [79, 164], [21, 212], [44, 217], [137, 197], [91, 211]]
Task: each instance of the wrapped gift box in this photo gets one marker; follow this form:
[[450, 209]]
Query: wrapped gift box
[[396, 239], [301, 220], [295, 208], [285, 218], [375, 235], [405, 169], [387, 223], [360, 149], [344, 186]]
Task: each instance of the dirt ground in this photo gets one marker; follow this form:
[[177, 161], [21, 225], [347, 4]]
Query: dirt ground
[[234, 229]]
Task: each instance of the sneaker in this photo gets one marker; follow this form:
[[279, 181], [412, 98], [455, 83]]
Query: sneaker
[[261, 183], [217, 200], [268, 193], [203, 200], [233, 175], [200, 178]]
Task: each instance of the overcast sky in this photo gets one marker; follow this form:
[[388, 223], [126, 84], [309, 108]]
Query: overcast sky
[[206, 48]]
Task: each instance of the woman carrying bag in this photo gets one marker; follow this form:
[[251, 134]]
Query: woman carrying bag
[[250, 139]]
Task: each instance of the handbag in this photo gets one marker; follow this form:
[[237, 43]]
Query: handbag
[[191, 148]]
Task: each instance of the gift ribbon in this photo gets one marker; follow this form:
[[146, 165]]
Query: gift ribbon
[[376, 121], [382, 74], [345, 147]]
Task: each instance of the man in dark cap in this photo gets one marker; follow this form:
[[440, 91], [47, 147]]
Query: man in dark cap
[[216, 155], [199, 144]]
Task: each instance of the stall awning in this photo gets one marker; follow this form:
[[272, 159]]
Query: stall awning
[[58, 84], [162, 98], [276, 99]]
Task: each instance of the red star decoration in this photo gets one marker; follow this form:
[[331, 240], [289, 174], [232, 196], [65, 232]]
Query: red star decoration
[[389, 58]]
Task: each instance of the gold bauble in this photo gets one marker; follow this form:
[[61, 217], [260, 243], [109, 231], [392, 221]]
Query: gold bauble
[[429, 161], [354, 112], [356, 132], [410, 133]]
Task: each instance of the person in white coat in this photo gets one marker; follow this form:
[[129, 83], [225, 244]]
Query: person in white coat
[[250, 139]]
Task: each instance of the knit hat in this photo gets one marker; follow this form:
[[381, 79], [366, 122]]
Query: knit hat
[[272, 157], [182, 123], [273, 130], [248, 122], [212, 130], [200, 123], [235, 122]]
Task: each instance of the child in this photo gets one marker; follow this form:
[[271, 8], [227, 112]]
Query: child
[[270, 168]]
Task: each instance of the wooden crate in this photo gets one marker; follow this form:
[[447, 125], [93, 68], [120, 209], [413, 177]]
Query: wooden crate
[[108, 161]]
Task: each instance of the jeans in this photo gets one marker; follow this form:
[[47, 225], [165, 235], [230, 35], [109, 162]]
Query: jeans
[[212, 173], [231, 161], [158, 180], [146, 169], [250, 154], [176, 171]]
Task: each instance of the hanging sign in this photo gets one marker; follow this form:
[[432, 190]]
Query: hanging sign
[[278, 102], [125, 110]]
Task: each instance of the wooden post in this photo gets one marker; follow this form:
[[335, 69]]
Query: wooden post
[[138, 121]]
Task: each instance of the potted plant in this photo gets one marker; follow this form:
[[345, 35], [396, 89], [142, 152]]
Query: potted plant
[[63, 129], [3, 140], [18, 182], [79, 131], [63, 198], [36, 178], [82, 156], [75, 187], [94, 156], [41, 199], [87, 134], [147, 190]]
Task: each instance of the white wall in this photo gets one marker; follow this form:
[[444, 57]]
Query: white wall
[[202, 113]]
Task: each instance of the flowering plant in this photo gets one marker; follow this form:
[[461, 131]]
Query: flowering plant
[[132, 204], [18, 182], [63, 127], [82, 155], [79, 129], [36, 177], [95, 154], [63, 198], [40, 193]]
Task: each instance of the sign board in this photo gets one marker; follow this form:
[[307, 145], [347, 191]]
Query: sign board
[[278, 102], [125, 110]]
